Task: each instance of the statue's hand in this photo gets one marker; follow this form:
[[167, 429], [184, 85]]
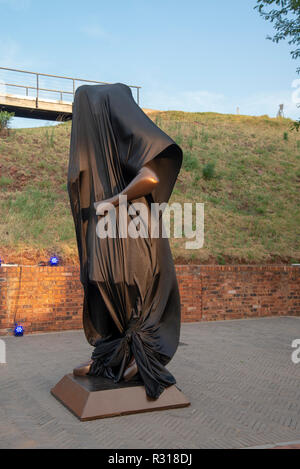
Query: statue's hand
[[102, 207]]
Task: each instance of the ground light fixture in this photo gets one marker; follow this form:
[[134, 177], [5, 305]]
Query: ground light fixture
[[54, 261], [19, 331]]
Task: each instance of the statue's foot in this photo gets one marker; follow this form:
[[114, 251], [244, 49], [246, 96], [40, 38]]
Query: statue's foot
[[131, 370], [82, 370]]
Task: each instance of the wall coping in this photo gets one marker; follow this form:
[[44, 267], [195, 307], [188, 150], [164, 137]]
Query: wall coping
[[200, 267]]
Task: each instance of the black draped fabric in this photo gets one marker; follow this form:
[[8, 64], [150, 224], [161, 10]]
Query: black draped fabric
[[131, 299]]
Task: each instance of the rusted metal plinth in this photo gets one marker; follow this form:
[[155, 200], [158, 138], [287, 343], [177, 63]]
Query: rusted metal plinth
[[90, 397]]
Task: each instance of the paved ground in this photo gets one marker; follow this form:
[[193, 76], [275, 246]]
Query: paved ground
[[239, 376]]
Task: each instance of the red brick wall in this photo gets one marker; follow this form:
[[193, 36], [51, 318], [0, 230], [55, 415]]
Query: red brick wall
[[50, 298], [238, 291]]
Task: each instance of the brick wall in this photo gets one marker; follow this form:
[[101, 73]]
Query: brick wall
[[50, 298], [211, 292]]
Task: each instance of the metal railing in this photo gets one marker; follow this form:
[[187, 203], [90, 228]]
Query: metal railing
[[38, 88]]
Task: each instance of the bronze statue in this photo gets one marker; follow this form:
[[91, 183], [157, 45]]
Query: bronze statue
[[131, 311]]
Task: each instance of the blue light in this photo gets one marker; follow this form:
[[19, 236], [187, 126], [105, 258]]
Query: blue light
[[19, 331], [54, 260]]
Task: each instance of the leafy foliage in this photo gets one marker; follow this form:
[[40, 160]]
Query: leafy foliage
[[286, 19], [285, 15], [5, 118], [208, 170]]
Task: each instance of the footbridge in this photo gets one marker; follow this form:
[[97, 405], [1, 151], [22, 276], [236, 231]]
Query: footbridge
[[40, 95]]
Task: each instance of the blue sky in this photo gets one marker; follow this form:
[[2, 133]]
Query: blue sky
[[190, 55]]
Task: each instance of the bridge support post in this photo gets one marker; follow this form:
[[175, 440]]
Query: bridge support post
[[37, 91]]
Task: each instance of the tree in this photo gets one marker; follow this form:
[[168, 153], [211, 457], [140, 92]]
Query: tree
[[5, 118], [285, 15]]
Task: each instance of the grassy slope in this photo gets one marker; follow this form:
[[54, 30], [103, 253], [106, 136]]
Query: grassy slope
[[251, 204]]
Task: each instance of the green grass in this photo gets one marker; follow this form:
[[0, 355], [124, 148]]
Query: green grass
[[245, 169], [5, 181]]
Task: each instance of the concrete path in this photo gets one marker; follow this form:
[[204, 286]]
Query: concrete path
[[243, 385]]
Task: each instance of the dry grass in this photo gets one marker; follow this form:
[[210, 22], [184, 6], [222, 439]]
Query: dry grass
[[245, 169]]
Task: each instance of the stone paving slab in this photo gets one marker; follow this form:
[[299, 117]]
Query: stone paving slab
[[281, 445], [243, 386]]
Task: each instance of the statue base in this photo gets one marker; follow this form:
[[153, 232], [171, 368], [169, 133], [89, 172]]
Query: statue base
[[93, 397]]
